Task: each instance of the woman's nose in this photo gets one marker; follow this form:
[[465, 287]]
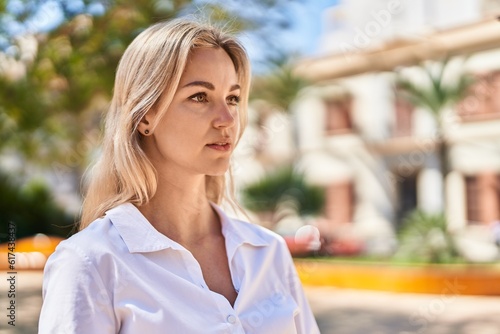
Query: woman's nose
[[225, 116]]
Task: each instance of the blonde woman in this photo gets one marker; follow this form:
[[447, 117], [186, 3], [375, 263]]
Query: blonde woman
[[155, 253]]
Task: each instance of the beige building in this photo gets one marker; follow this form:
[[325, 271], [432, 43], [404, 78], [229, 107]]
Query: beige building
[[376, 154], [373, 152]]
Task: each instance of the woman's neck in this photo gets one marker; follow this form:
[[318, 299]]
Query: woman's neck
[[181, 211]]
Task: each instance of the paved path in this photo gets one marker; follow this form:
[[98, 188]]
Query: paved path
[[344, 311], [339, 311], [28, 302]]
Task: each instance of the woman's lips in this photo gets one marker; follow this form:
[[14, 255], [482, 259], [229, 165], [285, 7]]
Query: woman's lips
[[220, 146]]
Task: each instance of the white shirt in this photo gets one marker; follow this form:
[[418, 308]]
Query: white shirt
[[120, 275]]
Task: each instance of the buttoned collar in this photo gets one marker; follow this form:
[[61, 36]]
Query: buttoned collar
[[140, 236]]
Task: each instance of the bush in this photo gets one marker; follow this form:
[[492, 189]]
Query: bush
[[424, 238], [284, 185], [32, 209]]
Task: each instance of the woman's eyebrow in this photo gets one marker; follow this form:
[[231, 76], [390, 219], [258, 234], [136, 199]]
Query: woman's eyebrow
[[205, 84], [208, 85]]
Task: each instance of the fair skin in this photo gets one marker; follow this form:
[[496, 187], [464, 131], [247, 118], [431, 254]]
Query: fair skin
[[195, 138]]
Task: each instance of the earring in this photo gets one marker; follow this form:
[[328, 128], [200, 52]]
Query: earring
[[146, 132]]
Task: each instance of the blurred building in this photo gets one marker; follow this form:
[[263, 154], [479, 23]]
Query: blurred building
[[374, 152]]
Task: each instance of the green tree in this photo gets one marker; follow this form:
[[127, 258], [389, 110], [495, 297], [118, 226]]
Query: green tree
[[435, 96], [275, 92], [283, 189], [280, 86], [32, 209]]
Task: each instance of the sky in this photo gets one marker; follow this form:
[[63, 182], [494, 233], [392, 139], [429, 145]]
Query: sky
[[301, 38], [308, 23]]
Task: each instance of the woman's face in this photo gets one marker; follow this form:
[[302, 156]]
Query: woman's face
[[198, 130]]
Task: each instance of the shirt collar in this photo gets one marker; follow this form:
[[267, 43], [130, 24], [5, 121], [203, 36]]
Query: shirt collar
[[237, 231], [137, 232], [140, 236]]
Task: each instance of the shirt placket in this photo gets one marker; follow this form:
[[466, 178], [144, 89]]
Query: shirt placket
[[227, 313]]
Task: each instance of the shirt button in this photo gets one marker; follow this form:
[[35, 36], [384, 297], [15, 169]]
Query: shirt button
[[231, 319]]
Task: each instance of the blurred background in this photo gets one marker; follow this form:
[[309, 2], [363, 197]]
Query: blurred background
[[373, 144]]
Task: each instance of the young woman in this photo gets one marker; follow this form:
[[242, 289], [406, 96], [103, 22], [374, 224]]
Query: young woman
[[155, 253]]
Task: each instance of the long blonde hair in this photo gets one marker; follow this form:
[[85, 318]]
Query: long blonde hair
[[149, 71]]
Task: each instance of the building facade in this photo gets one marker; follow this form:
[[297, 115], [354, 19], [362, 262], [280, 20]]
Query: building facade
[[376, 154]]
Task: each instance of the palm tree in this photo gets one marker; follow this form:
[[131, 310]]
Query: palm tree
[[282, 188], [276, 91], [280, 87], [435, 96]]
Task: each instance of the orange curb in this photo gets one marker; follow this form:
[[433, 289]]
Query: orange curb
[[434, 279], [28, 253]]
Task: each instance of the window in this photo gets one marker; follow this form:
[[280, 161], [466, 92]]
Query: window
[[403, 117], [338, 115], [473, 205], [407, 195], [483, 100], [339, 206], [482, 198]]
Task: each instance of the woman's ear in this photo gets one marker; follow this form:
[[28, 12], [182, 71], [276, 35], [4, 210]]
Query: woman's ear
[[145, 125]]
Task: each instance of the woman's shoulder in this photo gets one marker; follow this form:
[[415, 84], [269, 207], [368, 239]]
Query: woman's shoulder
[[95, 231], [89, 245]]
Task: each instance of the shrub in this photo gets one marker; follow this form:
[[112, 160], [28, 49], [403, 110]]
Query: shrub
[[424, 237], [284, 185], [32, 209]]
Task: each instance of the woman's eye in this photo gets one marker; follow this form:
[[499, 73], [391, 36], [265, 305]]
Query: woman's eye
[[233, 100], [199, 98]]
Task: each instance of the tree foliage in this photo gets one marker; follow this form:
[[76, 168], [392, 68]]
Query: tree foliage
[[436, 93], [32, 208], [280, 86]]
